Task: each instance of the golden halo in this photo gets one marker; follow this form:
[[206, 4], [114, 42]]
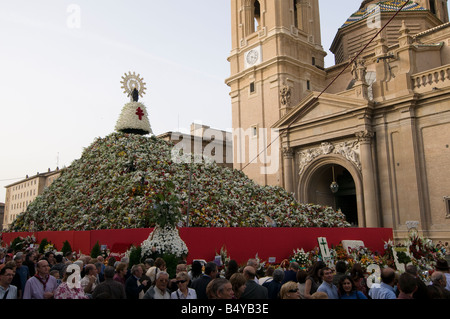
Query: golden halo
[[132, 81]]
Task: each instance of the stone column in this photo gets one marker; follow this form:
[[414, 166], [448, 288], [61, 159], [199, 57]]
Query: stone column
[[249, 25], [288, 159], [368, 178]]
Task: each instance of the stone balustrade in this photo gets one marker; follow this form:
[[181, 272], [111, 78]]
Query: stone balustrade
[[430, 79]]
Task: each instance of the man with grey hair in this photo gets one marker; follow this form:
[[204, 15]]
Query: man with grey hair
[[133, 286], [159, 290], [90, 280], [274, 286]]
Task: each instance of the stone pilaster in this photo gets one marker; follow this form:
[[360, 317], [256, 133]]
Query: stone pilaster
[[368, 176]]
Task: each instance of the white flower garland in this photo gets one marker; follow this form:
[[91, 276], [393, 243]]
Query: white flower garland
[[165, 240]]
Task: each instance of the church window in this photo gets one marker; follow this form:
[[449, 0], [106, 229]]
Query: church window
[[295, 14], [313, 61], [447, 205], [308, 85], [256, 15], [252, 87], [433, 6]]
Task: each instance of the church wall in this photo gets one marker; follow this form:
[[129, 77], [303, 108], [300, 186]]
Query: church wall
[[412, 151], [436, 156], [440, 36], [406, 109], [383, 158], [398, 161], [434, 137]]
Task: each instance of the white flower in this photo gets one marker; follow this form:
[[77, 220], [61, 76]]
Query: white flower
[[134, 116], [165, 240]]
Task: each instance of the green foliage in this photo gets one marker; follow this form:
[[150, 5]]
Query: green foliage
[[135, 256], [171, 262], [403, 258], [166, 209], [44, 242], [96, 251], [17, 244], [66, 248]]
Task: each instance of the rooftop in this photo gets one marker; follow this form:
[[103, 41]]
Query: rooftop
[[383, 6]]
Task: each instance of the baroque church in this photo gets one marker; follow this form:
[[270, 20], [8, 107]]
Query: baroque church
[[369, 135]]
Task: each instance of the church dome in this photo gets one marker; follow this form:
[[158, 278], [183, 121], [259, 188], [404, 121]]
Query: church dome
[[384, 6]]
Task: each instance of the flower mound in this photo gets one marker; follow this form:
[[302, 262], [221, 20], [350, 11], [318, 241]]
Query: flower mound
[[122, 180]]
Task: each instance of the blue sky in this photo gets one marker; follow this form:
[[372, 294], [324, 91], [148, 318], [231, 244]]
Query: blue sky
[[61, 64]]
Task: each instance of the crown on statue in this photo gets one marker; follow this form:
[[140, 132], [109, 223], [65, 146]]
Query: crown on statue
[[133, 85]]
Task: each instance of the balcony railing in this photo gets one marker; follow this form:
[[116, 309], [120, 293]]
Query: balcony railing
[[429, 79]]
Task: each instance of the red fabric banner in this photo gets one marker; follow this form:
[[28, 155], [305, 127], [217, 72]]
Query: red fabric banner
[[203, 243]]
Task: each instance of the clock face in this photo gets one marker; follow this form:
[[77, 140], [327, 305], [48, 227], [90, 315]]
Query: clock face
[[252, 57]]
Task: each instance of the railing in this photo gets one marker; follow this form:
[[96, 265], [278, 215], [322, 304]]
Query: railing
[[433, 77]]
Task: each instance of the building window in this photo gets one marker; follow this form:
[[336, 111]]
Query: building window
[[432, 7], [447, 206], [254, 129], [252, 87], [256, 15], [295, 14], [308, 85]]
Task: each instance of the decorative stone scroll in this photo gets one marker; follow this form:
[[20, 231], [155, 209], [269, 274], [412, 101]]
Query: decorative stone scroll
[[347, 149]]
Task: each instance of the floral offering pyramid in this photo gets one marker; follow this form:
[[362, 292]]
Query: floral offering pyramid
[[130, 180]]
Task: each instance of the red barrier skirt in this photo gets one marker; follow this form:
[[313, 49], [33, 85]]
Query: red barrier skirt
[[204, 243]]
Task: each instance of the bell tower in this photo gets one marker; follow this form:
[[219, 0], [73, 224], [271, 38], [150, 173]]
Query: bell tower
[[437, 7], [276, 60]]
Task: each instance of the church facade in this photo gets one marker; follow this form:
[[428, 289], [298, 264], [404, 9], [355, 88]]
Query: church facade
[[369, 135]]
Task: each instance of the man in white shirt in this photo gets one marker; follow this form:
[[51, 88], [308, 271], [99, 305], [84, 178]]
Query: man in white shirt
[[42, 284]]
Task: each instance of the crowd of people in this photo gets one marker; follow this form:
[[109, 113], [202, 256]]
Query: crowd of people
[[45, 276]]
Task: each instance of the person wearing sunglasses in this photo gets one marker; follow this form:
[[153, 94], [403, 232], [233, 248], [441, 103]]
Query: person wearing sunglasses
[[289, 290], [183, 291]]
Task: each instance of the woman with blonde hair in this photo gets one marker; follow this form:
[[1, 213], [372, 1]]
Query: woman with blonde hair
[[289, 290]]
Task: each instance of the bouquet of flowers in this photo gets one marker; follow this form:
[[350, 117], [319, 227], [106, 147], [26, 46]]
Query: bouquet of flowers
[[301, 258]]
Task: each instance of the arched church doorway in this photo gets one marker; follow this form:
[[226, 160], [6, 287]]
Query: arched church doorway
[[342, 197]]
